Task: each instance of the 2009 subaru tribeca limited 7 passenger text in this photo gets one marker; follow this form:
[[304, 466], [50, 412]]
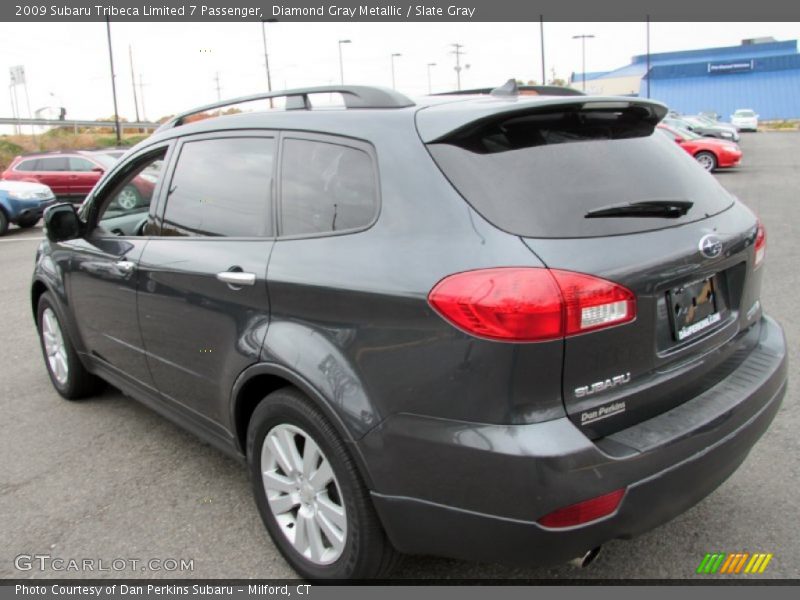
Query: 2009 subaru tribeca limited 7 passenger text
[[497, 327]]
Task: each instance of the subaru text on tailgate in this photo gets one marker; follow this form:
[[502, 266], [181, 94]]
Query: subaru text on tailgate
[[499, 327]]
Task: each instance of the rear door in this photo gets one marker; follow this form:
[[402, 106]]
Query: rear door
[[203, 304], [597, 191], [53, 171]]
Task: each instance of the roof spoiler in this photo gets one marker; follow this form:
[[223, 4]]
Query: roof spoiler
[[511, 88], [354, 96]]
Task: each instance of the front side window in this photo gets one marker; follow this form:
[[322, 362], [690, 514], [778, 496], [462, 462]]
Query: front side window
[[55, 163], [221, 187], [326, 188], [28, 165], [125, 210], [80, 164]]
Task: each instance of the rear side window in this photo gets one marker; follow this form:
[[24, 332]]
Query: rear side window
[[55, 163], [221, 187], [540, 175], [326, 188]]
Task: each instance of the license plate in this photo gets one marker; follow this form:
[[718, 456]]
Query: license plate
[[694, 308]]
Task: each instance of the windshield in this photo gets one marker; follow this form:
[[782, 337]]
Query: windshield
[[744, 113]]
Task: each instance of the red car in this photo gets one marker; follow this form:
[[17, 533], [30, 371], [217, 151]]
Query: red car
[[74, 174], [711, 153]]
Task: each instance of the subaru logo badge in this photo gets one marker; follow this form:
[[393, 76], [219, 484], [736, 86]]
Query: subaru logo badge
[[710, 246]]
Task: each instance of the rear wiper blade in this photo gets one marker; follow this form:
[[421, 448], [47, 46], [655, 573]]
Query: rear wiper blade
[[665, 209]]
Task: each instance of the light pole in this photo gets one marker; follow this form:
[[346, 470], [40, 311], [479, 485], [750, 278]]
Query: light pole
[[583, 38], [429, 76], [341, 63], [394, 55]]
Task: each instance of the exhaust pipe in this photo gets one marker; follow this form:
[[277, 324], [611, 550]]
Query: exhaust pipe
[[584, 561]]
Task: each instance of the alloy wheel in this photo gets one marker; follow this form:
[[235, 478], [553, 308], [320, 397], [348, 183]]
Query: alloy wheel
[[303, 494], [54, 346]]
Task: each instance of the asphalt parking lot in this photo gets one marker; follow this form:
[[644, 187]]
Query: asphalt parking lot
[[106, 478]]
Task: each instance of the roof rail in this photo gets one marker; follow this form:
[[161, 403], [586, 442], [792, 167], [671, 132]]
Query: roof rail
[[354, 96]]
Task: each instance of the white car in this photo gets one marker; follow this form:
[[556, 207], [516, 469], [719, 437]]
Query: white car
[[745, 119]]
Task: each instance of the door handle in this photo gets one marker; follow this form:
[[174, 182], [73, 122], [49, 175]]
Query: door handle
[[125, 266], [237, 279]]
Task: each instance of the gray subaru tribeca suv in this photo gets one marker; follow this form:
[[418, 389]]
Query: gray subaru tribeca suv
[[494, 327]]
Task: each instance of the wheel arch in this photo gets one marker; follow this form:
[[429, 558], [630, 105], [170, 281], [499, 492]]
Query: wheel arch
[[257, 381]]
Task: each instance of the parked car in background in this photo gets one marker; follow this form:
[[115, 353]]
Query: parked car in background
[[72, 175], [710, 114], [711, 153], [745, 119], [701, 128], [23, 203], [716, 123]]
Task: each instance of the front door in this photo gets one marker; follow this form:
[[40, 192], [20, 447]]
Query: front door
[[103, 274], [203, 303]]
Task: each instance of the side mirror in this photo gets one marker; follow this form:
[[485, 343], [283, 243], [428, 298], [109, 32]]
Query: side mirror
[[678, 140], [62, 223]]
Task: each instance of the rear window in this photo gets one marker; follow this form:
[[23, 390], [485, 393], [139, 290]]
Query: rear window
[[745, 113], [538, 175]]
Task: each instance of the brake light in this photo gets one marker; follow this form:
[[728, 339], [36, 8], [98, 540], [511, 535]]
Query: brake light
[[761, 244], [583, 512], [530, 304]]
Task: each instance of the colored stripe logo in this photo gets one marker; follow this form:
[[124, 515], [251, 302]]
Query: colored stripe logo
[[734, 564]]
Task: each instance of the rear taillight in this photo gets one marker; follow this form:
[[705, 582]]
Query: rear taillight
[[761, 244], [583, 512], [530, 304]]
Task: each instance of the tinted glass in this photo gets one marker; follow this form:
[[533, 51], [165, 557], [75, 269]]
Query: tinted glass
[[325, 188], [541, 180], [745, 113], [221, 187], [54, 163], [80, 164], [28, 165]]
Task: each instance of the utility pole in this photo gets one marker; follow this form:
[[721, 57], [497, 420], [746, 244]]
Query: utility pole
[[429, 76], [219, 89], [583, 38], [141, 96], [341, 62], [648, 56], [393, 56], [113, 83], [458, 52], [133, 83], [541, 37]]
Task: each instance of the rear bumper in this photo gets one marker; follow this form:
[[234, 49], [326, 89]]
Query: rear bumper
[[475, 491]]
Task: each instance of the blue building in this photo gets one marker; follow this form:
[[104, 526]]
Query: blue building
[[762, 74]]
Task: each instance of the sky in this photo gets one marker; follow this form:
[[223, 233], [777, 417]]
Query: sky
[[67, 64]]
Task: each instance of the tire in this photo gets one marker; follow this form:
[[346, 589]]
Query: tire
[[129, 198], [3, 223], [28, 223], [707, 160], [286, 423], [67, 373]]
